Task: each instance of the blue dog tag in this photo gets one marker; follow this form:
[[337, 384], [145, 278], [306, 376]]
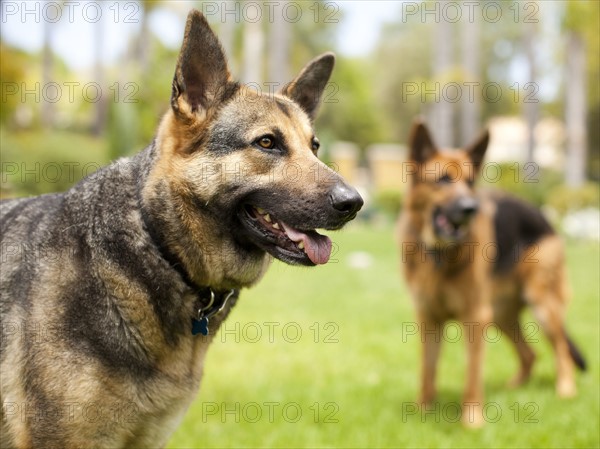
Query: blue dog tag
[[200, 327]]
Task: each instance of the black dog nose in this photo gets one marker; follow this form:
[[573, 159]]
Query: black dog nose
[[468, 205], [345, 199]]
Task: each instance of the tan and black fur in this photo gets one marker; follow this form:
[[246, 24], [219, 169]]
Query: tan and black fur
[[100, 284], [479, 257]]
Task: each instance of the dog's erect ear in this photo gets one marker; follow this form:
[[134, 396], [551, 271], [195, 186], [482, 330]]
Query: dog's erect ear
[[201, 74], [477, 149], [421, 143], [307, 88]]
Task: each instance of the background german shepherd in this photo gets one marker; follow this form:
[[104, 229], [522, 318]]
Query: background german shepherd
[[125, 265], [479, 257]]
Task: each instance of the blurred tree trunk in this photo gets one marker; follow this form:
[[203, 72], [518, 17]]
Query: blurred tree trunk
[[47, 108], [575, 110], [226, 35], [144, 46], [531, 106], [442, 113], [99, 123], [278, 70], [252, 52], [470, 107]]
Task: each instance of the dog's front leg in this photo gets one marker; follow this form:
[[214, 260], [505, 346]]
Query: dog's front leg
[[431, 339], [472, 412]]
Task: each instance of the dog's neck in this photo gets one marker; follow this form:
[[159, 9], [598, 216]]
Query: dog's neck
[[209, 300]]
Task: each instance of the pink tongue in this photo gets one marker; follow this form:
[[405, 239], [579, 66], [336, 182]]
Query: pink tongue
[[316, 246], [441, 220]]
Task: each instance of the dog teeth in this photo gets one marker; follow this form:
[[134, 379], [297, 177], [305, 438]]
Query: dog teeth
[[301, 245], [267, 217]]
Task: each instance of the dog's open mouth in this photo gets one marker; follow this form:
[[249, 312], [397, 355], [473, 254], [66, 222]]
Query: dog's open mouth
[[283, 241], [448, 229]]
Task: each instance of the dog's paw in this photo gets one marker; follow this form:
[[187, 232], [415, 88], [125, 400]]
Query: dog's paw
[[472, 415], [566, 389]]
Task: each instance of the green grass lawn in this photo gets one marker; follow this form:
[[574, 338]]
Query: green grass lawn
[[324, 357]]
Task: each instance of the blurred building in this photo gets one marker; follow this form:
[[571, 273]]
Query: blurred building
[[509, 137]]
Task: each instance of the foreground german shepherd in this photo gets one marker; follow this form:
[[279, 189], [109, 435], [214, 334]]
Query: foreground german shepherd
[[479, 258], [104, 286]]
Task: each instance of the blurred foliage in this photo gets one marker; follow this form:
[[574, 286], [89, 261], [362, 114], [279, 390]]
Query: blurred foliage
[[564, 199], [533, 187], [353, 113], [314, 33], [389, 202], [37, 162], [12, 70], [405, 49], [593, 129], [144, 100], [582, 17], [123, 129]]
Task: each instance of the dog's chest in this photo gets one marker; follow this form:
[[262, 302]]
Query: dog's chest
[[442, 298], [163, 400], [442, 303]]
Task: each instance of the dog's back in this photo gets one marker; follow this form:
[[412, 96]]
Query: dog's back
[[529, 269], [517, 226]]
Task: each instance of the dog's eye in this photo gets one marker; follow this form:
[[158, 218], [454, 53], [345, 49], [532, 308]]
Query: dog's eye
[[445, 179], [315, 144], [266, 142]]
